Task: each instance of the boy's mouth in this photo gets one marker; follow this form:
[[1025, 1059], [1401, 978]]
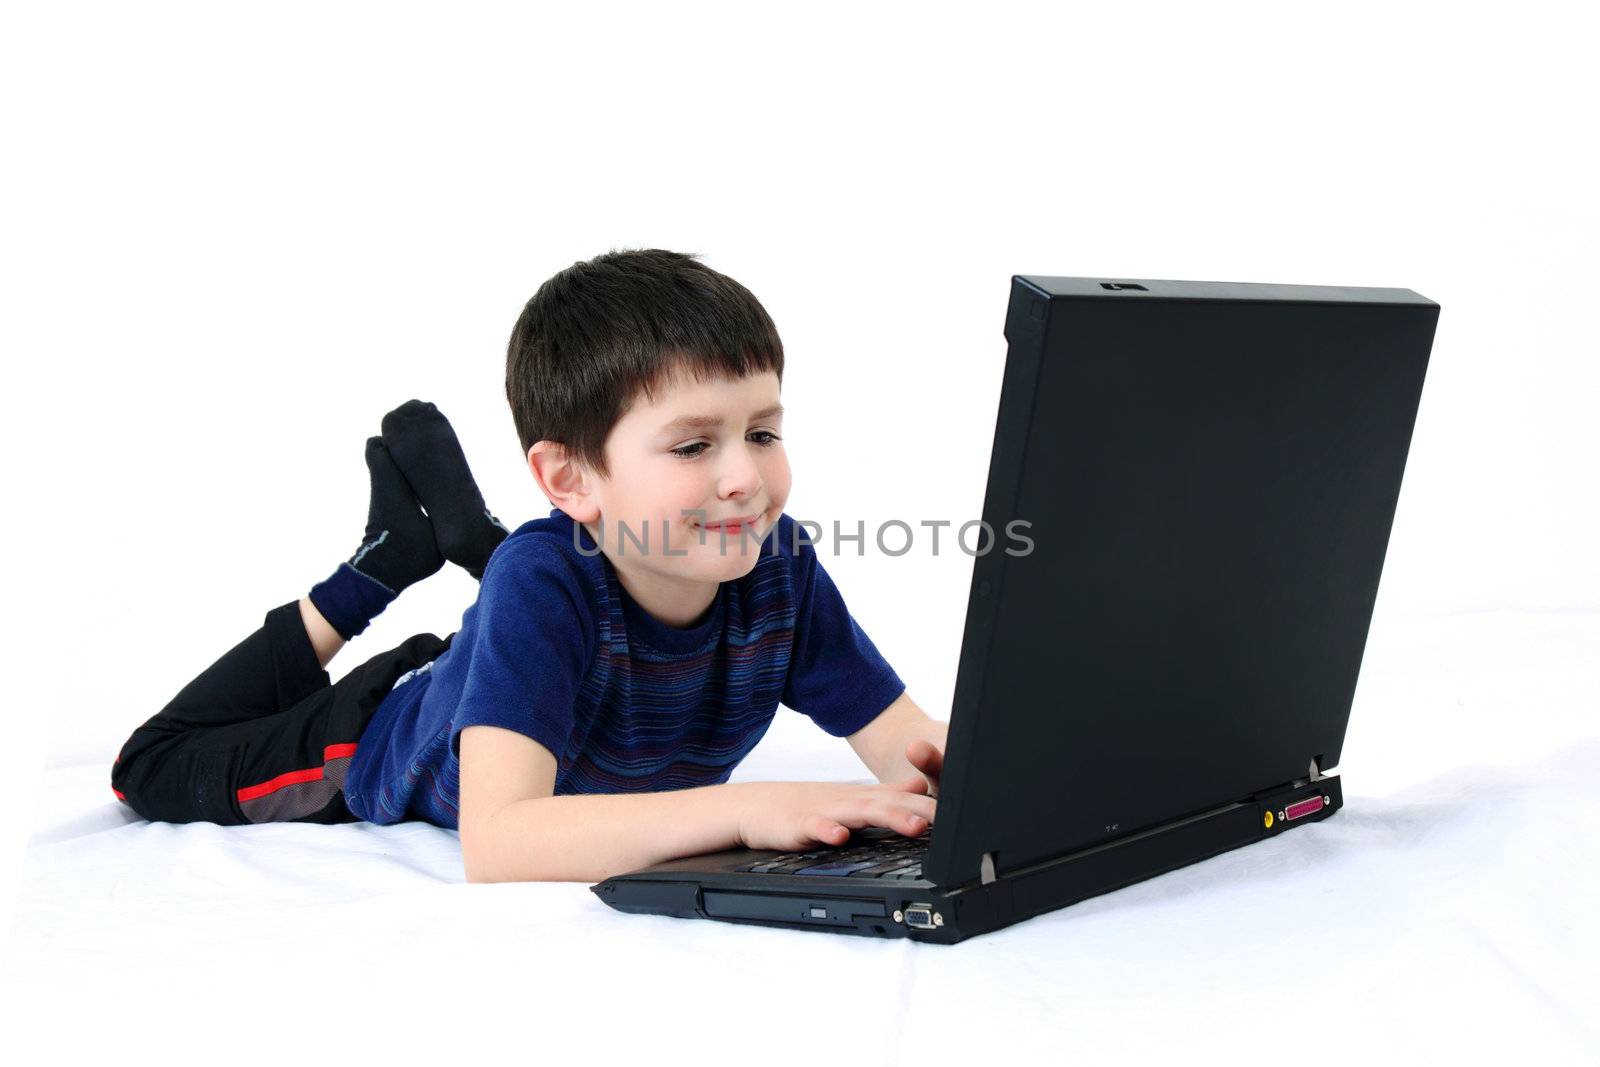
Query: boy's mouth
[[736, 525]]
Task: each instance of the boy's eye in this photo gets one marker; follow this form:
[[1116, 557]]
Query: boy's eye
[[764, 438]]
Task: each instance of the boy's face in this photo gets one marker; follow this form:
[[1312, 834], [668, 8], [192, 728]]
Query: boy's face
[[690, 461]]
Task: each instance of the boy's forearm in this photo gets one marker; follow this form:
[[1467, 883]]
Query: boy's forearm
[[587, 838]]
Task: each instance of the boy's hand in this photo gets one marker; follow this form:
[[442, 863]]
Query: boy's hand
[[925, 756], [786, 816]]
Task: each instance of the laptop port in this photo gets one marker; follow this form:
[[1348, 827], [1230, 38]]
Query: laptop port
[[920, 916], [1300, 809]]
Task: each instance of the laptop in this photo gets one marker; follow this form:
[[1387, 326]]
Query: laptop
[[1209, 471]]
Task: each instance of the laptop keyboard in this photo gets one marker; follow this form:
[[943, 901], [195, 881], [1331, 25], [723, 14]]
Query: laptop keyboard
[[885, 856]]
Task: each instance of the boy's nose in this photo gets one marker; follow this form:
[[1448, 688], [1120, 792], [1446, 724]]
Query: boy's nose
[[739, 476]]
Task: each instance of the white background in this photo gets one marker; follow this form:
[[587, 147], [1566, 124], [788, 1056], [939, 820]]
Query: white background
[[235, 236]]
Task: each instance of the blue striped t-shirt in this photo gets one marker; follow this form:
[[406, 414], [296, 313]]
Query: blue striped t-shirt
[[555, 648]]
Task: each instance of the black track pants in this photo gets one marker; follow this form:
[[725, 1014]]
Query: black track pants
[[261, 735]]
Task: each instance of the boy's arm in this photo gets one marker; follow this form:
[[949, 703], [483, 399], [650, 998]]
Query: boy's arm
[[882, 743], [514, 830]]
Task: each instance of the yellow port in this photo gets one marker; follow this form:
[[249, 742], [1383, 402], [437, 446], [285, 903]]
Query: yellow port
[[1266, 819]]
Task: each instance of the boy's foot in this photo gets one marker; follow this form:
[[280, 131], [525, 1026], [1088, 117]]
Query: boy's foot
[[427, 452], [398, 550]]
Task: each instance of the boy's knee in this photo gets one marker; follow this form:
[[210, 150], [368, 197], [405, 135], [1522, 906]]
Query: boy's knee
[[164, 784], [122, 766], [127, 779], [116, 779], [127, 788]]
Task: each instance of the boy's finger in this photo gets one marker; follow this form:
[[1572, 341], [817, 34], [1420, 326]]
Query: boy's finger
[[821, 828], [925, 755]]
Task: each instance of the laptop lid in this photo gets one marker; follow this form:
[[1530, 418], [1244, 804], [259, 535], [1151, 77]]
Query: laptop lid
[[1208, 473]]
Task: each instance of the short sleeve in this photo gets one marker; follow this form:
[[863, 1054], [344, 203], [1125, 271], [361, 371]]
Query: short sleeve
[[531, 642], [836, 675]]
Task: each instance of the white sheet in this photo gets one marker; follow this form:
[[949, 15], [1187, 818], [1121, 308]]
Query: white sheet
[[1448, 910]]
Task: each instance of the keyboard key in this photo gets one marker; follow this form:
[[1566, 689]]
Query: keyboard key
[[836, 870], [877, 869], [878, 856]]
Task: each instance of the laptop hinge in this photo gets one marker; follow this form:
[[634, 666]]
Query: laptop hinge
[[1313, 774], [986, 870], [988, 875]]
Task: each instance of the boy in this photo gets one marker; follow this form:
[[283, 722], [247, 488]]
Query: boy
[[623, 655]]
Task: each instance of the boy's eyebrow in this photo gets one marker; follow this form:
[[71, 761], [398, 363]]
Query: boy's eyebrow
[[710, 422]]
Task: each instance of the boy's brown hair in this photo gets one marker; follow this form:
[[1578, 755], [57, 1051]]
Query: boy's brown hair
[[601, 332]]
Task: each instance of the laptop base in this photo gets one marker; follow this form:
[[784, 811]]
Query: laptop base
[[710, 887]]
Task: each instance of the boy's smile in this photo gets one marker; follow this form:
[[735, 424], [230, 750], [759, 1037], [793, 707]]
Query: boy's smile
[[698, 477]]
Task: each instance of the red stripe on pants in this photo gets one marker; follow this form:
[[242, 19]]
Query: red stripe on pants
[[310, 774]]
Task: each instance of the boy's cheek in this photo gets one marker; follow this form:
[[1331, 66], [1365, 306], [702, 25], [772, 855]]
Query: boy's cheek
[[778, 485]]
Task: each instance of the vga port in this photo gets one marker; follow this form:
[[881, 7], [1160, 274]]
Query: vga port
[[1301, 808]]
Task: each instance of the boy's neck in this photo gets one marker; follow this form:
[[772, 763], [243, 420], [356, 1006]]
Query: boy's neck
[[670, 601]]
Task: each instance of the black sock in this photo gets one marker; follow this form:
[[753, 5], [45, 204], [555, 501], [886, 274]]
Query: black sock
[[398, 550], [427, 452]]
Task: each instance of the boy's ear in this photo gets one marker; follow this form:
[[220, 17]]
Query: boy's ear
[[565, 482]]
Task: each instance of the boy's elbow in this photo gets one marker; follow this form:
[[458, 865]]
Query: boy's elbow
[[480, 869], [503, 773], [473, 866], [497, 849], [479, 852]]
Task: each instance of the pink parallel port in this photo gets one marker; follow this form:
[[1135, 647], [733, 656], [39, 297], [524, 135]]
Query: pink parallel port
[[1300, 809]]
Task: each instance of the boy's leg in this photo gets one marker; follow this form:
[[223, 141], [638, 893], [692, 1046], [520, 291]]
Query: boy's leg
[[291, 767], [288, 765], [178, 766], [161, 774], [325, 640], [273, 669]]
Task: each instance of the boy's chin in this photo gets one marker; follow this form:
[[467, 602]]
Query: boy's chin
[[714, 564]]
